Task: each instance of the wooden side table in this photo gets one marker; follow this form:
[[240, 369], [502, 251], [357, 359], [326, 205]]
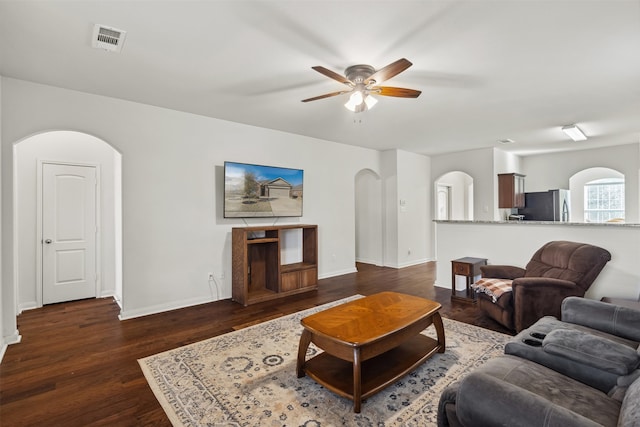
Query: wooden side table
[[470, 268]]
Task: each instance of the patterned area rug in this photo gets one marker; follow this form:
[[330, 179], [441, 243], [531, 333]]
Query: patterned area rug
[[248, 378]]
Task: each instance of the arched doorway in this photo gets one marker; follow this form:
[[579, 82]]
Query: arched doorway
[[454, 196], [73, 149], [368, 218]]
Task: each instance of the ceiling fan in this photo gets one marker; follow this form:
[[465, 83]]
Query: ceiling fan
[[363, 81]]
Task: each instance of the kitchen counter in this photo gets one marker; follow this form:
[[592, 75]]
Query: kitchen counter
[[514, 242], [526, 222]]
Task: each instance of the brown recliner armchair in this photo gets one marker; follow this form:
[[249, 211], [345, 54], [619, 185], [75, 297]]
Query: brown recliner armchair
[[557, 270]]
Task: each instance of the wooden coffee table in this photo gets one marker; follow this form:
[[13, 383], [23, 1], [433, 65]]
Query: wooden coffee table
[[369, 343]]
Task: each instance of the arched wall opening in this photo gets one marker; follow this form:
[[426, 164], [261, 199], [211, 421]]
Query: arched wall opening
[[368, 218], [577, 183], [73, 148], [453, 198]]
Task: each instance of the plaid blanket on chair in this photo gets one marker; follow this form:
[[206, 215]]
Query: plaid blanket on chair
[[492, 287]]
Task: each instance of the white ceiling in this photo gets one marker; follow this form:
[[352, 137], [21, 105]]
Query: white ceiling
[[488, 70]]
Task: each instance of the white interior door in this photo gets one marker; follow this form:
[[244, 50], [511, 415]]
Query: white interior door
[[443, 202], [69, 228]]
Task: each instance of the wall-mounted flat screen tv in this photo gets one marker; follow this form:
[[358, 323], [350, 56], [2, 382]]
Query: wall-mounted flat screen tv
[[257, 191]]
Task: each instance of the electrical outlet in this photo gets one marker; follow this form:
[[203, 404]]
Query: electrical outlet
[[211, 276]]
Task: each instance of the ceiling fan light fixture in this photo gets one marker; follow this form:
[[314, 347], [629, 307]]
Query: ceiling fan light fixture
[[574, 132], [364, 79], [370, 101], [356, 97], [355, 100], [360, 101]]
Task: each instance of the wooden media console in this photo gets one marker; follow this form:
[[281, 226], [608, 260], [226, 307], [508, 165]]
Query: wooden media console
[[257, 270]]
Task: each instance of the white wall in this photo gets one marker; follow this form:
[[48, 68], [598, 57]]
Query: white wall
[[414, 205], [63, 147], [407, 197], [369, 218], [547, 171], [389, 166], [172, 178], [3, 341], [8, 321], [505, 162], [514, 244]]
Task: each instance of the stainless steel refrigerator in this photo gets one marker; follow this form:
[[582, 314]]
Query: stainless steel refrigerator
[[551, 205]]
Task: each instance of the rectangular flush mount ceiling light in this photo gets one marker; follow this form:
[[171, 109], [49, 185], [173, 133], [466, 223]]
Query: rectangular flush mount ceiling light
[[574, 132]]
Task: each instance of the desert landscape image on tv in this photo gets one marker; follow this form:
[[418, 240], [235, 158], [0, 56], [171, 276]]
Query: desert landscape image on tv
[[261, 191]]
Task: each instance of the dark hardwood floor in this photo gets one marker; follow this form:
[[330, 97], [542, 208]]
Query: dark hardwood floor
[[77, 363]]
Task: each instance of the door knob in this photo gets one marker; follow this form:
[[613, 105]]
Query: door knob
[[48, 241]]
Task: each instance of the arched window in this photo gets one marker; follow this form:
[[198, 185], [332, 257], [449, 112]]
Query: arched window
[[604, 200]]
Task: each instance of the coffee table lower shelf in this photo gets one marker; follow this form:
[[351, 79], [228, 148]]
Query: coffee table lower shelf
[[376, 373]]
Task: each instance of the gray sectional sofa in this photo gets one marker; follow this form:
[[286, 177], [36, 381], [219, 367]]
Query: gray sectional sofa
[[581, 371]]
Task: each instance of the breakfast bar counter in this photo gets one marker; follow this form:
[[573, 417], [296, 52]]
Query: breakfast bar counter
[[553, 223], [514, 242]]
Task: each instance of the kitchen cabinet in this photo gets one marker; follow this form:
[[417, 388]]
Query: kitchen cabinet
[[510, 190]]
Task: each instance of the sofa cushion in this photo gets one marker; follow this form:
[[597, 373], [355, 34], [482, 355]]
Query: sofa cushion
[[630, 409], [520, 407], [547, 324], [591, 350], [610, 318], [598, 378], [564, 395]]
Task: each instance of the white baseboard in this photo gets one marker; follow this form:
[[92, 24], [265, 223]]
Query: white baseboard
[[30, 305], [7, 341], [409, 263], [15, 338], [159, 308], [414, 262], [175, 305], [377, 263], [106, 294], [338, 273], [118, 301]]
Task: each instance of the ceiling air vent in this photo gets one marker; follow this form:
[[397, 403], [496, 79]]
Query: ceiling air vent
[[108, 38]]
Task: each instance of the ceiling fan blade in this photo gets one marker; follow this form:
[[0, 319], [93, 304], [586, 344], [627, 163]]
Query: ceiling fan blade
[[389, 71], [326, 95], [332, 75], [399, 92]]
